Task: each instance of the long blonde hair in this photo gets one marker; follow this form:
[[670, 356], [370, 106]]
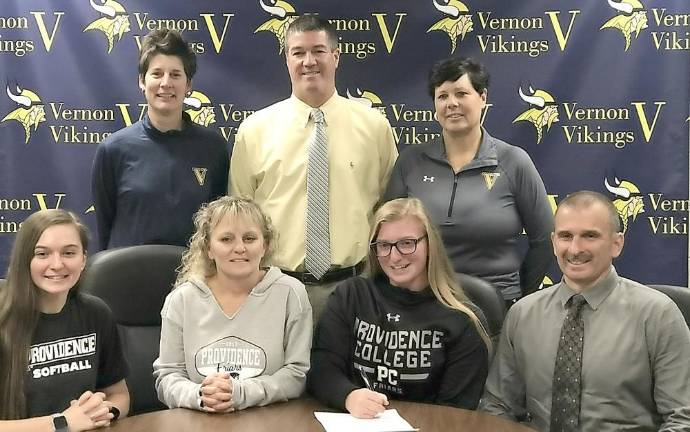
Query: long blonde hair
[[19, 307], [440, 273], [196, 262]]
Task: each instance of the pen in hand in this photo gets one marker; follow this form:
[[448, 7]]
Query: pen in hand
[[365, 379], [367, 383]]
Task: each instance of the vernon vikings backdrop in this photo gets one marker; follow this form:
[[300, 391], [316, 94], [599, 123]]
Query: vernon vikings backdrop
[[597, 92]]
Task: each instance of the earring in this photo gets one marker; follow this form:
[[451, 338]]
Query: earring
[[189, 93]]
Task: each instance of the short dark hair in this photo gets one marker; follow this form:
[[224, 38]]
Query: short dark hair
[[452, 68], [311, 22], [585, 198], [167, 42]]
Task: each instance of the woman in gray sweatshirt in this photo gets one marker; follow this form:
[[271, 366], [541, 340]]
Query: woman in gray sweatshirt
[[235, 333]]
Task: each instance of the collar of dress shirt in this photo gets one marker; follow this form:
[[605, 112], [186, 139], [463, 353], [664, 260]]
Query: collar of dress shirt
[[595, 295], [303, 111]]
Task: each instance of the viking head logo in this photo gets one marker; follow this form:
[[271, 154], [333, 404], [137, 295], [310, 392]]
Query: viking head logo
[[545, 283], [543, 111], [628, 200], [200, 108], [458, 21], [30, 110], [283, 14], [631, 18], [115, 23], [366, 97]]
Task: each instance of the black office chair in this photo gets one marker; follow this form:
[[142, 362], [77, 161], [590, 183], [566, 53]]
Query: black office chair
[[488, 299], [680, 295], [134, 281]]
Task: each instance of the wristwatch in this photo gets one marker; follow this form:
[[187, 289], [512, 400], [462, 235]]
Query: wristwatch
[[115, 411], [60, 423]]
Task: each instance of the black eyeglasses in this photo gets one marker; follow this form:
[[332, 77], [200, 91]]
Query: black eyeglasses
[[404, 246]]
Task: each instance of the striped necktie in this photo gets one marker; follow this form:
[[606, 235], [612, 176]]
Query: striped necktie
[[317, 236], [567, 373]]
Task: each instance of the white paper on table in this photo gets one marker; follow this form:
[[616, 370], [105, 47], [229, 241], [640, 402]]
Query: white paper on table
[[389, 421]]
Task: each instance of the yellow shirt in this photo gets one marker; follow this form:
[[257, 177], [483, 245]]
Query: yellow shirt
[[269, 164]]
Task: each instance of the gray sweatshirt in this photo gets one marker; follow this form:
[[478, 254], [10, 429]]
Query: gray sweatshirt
[[265, 345]]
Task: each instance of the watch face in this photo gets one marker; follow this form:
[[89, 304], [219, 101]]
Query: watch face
[[115, 411], [60, 423]]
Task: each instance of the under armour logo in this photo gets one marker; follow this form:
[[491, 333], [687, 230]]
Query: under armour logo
[[428, 179], [392, 317]]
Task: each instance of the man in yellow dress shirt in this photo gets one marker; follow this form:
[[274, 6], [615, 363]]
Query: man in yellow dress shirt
[[269, 160]]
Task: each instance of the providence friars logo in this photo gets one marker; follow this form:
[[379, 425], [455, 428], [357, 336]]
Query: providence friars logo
[[114, 24], [543, 111], [632, 18], [30, 111], [458, 21], [241, 358], [283, 14]]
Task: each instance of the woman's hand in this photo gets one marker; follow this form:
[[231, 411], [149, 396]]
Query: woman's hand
[[364, 403], [89, 412], [107, 416], [216, 393]]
